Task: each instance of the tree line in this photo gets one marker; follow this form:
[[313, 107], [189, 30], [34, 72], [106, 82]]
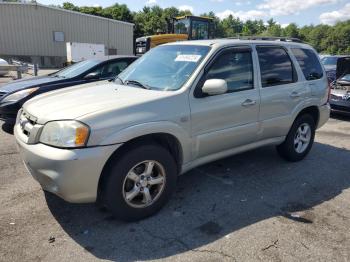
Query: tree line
[[154, 19]]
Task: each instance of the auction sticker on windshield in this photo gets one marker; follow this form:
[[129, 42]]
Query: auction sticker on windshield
[[188, 58]]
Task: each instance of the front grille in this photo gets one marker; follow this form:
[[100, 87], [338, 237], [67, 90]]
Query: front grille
[[141, 44], [26, 123], [140, 49], [29, 127]]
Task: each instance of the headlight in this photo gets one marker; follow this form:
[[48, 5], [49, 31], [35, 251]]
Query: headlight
[[19, 95], [64, 134]]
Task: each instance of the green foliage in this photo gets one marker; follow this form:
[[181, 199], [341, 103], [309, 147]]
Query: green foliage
[[70, 6], [232, 26], [338, 40], [272, 29], [118, 12], [217, 28], [255, 27], [153, 20], [291, 31]]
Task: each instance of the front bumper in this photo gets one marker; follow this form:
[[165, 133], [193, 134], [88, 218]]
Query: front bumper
[[72, 174], [8, 112], [341, 106]]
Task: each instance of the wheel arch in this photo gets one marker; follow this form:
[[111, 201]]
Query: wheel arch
[[311, 110], [166, 140]]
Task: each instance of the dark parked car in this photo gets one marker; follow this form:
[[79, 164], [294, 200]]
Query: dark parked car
[[330, 65], [340, 92], [16, 93]]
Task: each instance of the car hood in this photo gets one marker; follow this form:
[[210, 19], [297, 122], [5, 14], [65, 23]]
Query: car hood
[[330, 68], [78, 101], [28, 82], [343, 66], [343, 81]]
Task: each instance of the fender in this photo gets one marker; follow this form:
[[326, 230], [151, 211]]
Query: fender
[[139, 130], [305, 104], [310, 102], [285, 122]]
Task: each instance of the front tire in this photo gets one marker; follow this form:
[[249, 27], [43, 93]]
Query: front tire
[[140, 182], [299, 140]]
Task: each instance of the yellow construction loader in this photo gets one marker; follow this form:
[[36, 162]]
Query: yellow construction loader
[[180, 29]]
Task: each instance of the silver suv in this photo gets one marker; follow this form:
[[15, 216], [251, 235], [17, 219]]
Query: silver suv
[[123, 143]]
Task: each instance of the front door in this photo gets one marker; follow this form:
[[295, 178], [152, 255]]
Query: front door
[[222, 122]]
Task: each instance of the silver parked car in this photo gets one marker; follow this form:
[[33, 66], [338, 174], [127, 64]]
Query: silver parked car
[[181, 105]]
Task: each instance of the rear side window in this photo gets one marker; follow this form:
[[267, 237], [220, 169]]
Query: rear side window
[[309, 63], [276, 67]]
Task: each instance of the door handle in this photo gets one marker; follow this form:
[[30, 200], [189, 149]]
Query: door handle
[[249, 102], [294, 95]]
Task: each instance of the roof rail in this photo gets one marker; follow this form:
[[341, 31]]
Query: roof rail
[[269, 38]]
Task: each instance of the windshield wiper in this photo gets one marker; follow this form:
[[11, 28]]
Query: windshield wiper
[[118, 78], [136, 83], [58, 76]]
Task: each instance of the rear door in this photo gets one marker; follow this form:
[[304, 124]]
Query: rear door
[[314, 76], [281, 92], [222, 122]]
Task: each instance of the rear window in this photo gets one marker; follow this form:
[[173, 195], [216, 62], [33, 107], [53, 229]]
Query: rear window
[[276, 67], [309, 63]]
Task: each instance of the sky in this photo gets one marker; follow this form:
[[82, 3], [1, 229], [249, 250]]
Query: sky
[[301, 12]]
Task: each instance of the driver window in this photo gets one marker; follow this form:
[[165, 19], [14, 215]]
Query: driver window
[[97, 71], [236, 67], [113, 69]]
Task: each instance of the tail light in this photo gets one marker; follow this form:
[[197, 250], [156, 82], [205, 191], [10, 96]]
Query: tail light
[[330, 84]]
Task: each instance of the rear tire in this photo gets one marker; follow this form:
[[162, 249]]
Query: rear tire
[[140, 182], [299, 140]]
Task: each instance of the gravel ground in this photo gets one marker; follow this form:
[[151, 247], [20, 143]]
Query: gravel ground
[[13, 75], [249, 207]]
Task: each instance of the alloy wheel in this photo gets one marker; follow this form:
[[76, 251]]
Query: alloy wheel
[[144, 184], [302, 138]]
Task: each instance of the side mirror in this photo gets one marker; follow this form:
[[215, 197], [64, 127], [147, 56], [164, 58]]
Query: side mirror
[[214, 87], [92, 76]]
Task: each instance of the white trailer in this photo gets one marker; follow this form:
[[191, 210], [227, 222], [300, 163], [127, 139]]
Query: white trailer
[[3, 71], [77, 52]]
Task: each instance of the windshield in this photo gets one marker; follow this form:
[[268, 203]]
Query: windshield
[[76, 69], [165, 67], [329, 60]]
